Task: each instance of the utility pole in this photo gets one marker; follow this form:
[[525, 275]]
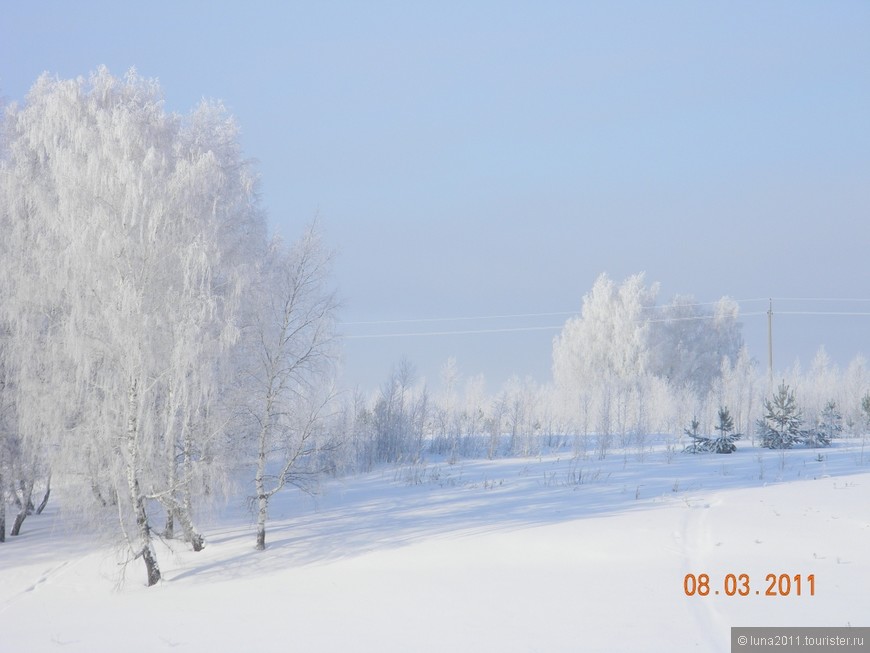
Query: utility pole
[[770, 345]]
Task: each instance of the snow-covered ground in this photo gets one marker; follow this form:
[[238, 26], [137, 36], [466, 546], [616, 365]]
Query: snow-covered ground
[[551, 553]]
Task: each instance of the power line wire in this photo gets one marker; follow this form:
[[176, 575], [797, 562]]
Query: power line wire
[[846, 313], [818, 299], [456, 332], [519, 329], [458, 319], [453, 333], [464, 318]]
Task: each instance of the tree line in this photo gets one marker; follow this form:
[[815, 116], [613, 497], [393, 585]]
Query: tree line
[[624, 369]]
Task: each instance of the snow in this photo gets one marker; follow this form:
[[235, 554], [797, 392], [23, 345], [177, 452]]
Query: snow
[[505, 555]]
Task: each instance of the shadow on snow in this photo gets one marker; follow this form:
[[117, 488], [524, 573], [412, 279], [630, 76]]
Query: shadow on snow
[[398, 506]]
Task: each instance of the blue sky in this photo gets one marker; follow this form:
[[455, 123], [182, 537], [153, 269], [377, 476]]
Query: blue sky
[[492, 158]]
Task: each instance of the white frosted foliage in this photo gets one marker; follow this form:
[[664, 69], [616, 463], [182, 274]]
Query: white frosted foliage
[[132, 243]]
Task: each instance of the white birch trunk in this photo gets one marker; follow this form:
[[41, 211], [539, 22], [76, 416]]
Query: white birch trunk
[[185, 512], [169, 530], [260, 481], [142, 546]]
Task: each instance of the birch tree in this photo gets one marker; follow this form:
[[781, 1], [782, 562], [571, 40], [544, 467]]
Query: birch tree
[[290, 373], [128, 220], [605, 360], [399, 416], [605, 350]]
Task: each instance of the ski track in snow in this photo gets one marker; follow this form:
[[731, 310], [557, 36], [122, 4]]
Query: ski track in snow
[[696, 543]]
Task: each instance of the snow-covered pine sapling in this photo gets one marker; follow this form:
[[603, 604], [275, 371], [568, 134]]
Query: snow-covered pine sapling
[[828, 426], [780, 428], [724, 441], [699, 442]]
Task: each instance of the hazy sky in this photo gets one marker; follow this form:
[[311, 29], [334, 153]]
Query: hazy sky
[[476, 159]]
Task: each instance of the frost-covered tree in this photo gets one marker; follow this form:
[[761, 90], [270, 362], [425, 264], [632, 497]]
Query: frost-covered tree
[[133, 229], [522, 423], [780, 428], [855, 382], [607, 361], [865, 412], [475, 408], [609, 339], [447, 417], [735, 388], [605, 351], [400, 416], [689, 344], [821, 384], [289, 377], [495, 425]]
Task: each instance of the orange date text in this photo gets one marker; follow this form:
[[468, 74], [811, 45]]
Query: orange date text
[[744, 585]]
